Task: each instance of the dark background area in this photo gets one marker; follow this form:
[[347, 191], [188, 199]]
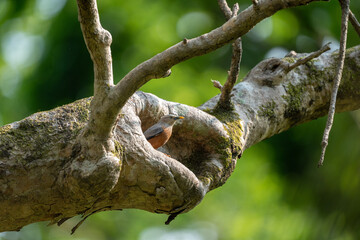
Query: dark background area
[[276, 191]]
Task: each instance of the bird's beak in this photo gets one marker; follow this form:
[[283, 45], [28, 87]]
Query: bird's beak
[[180, 117]]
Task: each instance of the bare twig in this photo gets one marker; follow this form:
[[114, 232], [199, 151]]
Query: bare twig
[[235, 10], [172, 217], [225, 9], [224, 100], [353, 20], [217, 84], [79, 224], [309, 57], [233, 74], [85, 217], [344, 28]]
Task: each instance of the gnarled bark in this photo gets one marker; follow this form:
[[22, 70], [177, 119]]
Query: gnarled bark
[[44, 175]]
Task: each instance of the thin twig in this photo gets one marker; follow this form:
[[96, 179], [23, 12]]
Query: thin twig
[[353, 20], [225, 9], [217, 84], [309, 57], [61, 221], [172, 217], [84, 218], [235, 10], [344, 28], [232, 74], [224, 100]]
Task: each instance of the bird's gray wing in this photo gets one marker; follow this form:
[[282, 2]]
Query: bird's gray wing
[[153, 131]]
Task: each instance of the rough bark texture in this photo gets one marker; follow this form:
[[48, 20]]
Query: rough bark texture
[[44, 175]]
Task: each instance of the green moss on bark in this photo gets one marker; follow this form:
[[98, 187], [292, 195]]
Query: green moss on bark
[[268, 110], [294, 101], [32, 137]]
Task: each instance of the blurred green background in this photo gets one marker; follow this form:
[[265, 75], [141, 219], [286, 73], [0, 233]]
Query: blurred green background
[[276, 191]]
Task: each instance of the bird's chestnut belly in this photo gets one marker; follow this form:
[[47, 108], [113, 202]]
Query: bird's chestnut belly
[[161, 139]]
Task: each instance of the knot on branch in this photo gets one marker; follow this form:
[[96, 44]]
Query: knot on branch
[[161, 74], [106, 37], [269, 72]]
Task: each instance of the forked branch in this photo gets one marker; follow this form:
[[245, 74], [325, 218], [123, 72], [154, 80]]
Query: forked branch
[[353, 20], [106, 107], [98, 42], [160, 65], [308, 57]]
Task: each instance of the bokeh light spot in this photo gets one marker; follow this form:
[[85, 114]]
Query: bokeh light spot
[[49, 8], [276, 52], [285, 27], [22, 50], [193, 24], [262, 30]]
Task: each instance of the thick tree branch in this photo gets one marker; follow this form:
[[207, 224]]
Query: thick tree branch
[[37, 153]]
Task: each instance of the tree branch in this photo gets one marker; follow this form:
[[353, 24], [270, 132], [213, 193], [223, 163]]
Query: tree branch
[[233, 73], [106, 106], [40, 161], [353, 19], [345, 7], [354, 22], [160, 65], [309, 57], [225, 9], [98, 42]]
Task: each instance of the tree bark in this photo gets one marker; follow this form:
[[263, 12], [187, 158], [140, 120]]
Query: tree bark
[[45, 177]]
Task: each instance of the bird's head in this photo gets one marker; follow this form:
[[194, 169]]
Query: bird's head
[[170, 119]]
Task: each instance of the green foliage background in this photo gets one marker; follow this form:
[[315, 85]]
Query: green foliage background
[[276, 191]]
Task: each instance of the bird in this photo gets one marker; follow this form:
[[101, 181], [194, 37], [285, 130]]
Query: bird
[[159, 133]]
